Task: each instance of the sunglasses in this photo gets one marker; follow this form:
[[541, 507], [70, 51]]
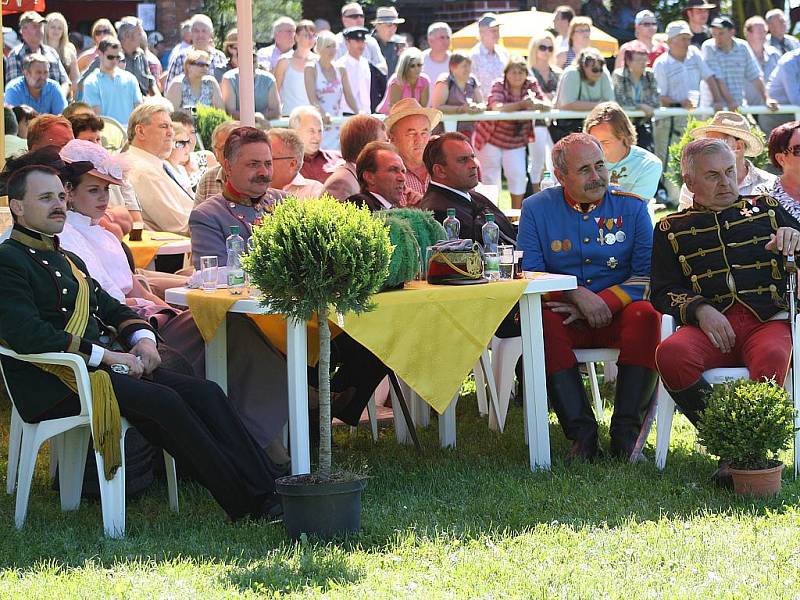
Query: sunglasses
[[101, 32], [793, 150], [648, 24], [203, 65], [182, 143], [596, 69], [354, 16], [113, 57], [545, 48]]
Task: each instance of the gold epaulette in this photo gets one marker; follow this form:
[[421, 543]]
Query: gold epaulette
[[768, 200], [664, 222], [620, 192]]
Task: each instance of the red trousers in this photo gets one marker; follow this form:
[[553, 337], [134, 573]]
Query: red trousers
[[764, 348], [635, 330]]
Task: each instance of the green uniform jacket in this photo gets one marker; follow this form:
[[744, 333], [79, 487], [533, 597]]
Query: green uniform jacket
[[37, 297]]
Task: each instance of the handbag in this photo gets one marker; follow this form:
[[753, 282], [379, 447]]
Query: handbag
[[455, 262]]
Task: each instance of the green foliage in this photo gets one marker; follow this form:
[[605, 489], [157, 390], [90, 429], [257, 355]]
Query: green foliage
[[426, 229], [223, 14], [747, 422], [404, 265], [675, 150], [312, 254], [208, 118]]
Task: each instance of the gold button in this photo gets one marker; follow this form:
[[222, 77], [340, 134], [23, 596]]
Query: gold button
[[588, 282], [586, 240], [588, 261], [585, 217]]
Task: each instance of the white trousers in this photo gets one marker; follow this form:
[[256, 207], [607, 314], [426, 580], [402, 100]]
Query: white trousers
[[540, 154], [495, 161]]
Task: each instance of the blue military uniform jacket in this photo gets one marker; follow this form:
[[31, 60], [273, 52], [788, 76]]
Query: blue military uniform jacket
[[607, 248]]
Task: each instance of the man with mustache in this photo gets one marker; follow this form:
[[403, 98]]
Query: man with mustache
[[603, 237], [51, 304]]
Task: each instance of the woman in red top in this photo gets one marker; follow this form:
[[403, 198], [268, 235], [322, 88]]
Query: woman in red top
[[500, 145]]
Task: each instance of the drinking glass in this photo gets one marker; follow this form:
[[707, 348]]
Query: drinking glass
[[694, 97], [209, 269], [506, 261], [491, 265]]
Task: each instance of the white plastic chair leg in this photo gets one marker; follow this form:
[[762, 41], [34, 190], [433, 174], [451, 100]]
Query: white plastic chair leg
[[505, 354], [665, 411], [421, 412], [373, 418], [14, 443], [71, 466], [480, 390], [447, 425], [610, 371], [596, 398], [112, 496], [27, 461], [401, 432], [172, 481]]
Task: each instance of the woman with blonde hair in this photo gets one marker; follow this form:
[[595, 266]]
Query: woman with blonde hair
[[408, 81], [326, 86], [195, 86], [100, 29], [540, 62], [579, 37], [290, 72], [56, 35]]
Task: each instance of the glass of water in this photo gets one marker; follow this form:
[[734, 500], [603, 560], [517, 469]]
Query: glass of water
[[491, 265], [506, 253], [209, 269]]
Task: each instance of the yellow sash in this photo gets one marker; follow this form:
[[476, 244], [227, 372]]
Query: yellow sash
[[105, 409]]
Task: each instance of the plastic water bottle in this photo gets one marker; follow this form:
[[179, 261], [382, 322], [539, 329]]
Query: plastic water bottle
[[452, 226], [491, 234], [547, 181], [235, 247]]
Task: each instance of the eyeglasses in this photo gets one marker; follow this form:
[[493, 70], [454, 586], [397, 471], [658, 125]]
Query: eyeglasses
[[274, 158], [583, 30], [203, 65], [179, 144], [649, 24], [545, 48], [113, 57], [414, 64], [793, 150], [354, 16]]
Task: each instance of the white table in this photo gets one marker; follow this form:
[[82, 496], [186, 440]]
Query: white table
[[296, 356], [530, 305], [183, 246]]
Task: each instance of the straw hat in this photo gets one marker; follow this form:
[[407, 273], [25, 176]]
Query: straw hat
[[388, 16], [106, 166], [734, 125], [408, 107]]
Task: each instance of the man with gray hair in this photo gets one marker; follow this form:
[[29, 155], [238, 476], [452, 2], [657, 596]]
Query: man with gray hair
[[488, 58], [318, 163], [165, 203], [130, 38], [202, 39], [602, 236], [287, 159], [436, 59], [283, 30], [720, 272], [34, 88], [777, 38]]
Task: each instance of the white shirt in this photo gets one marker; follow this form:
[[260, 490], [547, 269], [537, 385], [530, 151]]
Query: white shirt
[[676, 78], [384, 202], [302, 188], [454, 190], [372, 52], [359, 77], [434, 69]]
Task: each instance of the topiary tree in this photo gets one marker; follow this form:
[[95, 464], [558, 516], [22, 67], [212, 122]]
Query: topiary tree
[[747, 422], [208, 118], [676, 149], [315, 256]]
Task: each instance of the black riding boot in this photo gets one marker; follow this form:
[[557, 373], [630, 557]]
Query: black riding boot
[[635, 386], [568, 399], [692, 400]]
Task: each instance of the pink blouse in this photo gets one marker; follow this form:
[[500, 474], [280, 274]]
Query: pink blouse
[[423, 83]]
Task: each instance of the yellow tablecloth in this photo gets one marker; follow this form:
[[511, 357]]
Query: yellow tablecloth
[[430, 335], [145, 251]]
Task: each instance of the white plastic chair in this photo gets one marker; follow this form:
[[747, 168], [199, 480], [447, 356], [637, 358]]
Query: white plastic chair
[[666, 405], [507, 351], [72, 434]]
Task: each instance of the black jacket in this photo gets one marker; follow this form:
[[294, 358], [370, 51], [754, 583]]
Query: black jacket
[[366, 199]]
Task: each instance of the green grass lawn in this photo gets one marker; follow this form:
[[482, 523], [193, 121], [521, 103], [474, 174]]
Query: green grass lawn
[[471, 522]]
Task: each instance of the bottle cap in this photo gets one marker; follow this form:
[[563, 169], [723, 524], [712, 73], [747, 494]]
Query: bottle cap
[[490, 218], [546, 174], [234, 230], [451, 212]]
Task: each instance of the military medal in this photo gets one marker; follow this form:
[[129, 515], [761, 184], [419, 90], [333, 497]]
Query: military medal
[[610, 239], [600, 225], [566, 245], [555, 245], [620, 235], [612, 263]]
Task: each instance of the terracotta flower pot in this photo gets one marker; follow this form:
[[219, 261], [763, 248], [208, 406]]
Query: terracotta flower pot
[[762, 483]]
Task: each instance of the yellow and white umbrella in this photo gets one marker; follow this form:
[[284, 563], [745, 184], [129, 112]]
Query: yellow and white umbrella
[[517, 28]]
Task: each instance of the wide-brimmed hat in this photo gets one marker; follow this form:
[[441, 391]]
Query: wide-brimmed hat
[[488, 20], [388, 16], [408, 107], [699, 4], [106, 166], [734, 125]]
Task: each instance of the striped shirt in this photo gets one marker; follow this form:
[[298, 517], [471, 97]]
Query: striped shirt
[[507, 134], [676, 78], [735, 67]]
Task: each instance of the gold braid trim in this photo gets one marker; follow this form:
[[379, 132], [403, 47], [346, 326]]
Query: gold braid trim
[[106, 420]]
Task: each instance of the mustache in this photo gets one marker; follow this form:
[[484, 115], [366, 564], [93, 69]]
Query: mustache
[[58, 212], [594, 185], [260, 179]]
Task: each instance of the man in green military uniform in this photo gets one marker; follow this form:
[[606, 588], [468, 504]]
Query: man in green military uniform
[[51, 304]]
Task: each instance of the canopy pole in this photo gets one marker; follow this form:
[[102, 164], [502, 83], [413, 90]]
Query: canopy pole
[[244, 28]]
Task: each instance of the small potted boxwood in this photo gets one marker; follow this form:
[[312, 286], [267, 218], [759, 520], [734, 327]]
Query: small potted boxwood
[[747, 423], [320, 257]]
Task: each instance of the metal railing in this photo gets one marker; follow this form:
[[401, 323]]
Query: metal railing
[[450, 121]]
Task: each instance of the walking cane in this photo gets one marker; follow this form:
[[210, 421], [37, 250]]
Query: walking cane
[[791, 274]]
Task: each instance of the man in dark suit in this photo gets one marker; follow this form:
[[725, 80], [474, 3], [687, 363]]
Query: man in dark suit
[[382, 176], [450, 160]]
